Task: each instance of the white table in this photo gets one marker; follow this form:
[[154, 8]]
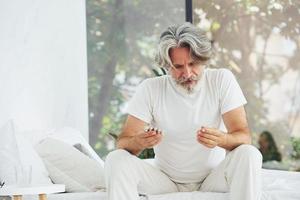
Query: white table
[[42, 190]]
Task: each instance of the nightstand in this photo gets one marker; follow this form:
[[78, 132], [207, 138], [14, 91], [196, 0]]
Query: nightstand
[[42, 190]]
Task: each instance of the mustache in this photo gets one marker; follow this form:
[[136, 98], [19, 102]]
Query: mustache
[[184, 79]]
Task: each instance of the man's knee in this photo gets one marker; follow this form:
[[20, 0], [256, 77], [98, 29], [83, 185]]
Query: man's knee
[[117, 158], [116, 155], [248, 151]]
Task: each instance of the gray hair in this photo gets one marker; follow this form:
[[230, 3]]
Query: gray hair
[[185, 35]]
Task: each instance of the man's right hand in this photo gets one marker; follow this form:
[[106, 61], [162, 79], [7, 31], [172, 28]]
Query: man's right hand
[[147, 139], [135, 138]]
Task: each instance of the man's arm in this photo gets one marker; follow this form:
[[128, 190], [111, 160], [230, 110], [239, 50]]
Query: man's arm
[[237, 127], [134, 139]]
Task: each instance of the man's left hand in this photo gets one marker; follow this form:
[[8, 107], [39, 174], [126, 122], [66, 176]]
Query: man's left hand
[[211, 137]]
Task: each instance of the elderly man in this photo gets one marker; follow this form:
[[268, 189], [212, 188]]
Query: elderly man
[[201, 115]]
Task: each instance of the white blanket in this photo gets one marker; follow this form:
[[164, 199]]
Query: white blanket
[[277, 185]]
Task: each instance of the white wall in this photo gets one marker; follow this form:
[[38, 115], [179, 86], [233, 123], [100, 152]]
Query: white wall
[[43, 64]]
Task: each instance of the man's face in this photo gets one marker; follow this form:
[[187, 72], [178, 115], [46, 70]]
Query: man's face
[[185, 71]]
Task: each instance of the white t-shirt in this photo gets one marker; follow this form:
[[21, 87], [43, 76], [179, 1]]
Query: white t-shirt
[[167, 106]]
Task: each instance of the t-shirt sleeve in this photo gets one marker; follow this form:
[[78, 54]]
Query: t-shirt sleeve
[[140, 105], [231, 95]]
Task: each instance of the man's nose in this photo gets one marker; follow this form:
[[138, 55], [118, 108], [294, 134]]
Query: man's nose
[[187, 71]]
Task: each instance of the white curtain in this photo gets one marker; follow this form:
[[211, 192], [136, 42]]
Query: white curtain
[[43, 64]]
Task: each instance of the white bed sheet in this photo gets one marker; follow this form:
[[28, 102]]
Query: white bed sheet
[[79, 196], [277, 185]]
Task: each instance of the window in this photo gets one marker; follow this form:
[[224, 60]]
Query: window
[[122, 38], [259, 42]]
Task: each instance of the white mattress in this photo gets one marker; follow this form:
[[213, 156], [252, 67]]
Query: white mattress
[[277, 185], [79, 196]]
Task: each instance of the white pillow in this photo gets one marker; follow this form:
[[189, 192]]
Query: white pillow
[[73, 137], [66, 134], [68, 166], [32, 164], [10, 165]]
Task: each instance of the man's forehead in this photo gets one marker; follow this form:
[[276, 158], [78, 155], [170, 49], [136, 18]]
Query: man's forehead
[[180, 55], [179, 50]]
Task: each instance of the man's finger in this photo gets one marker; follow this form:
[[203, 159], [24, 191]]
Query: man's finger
[[208, 136], [211, 131], [208, 145], [206, 141], [153, 142], [148, 134], [205, 144], [153, 137]]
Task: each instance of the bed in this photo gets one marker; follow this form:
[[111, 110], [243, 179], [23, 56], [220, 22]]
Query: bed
[[277, 185]]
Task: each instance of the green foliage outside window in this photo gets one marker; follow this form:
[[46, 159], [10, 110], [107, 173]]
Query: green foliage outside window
[[296, 147]]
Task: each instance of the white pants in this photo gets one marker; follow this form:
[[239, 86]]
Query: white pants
[[239, 173]]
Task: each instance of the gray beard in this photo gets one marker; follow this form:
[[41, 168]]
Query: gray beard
[[189, 90]]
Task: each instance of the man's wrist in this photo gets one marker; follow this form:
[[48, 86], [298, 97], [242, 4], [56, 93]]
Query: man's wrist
[[136, 148], [224, 140]]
